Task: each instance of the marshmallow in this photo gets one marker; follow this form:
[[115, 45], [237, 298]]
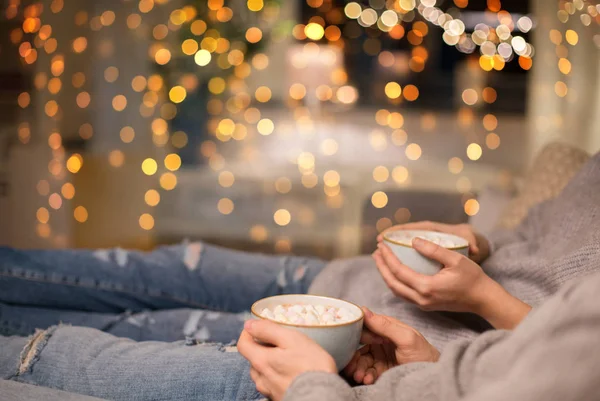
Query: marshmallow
[[308, 314]]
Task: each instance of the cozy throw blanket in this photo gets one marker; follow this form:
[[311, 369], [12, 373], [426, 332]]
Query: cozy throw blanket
[[558, 241], [554, 354]]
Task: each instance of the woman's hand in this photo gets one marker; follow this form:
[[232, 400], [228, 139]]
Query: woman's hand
[[479, 247], [461, 285], [458, 287], [389, 343], [273, 368]]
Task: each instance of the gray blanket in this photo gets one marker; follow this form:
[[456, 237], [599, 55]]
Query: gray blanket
[[553, 355], [557, 242]]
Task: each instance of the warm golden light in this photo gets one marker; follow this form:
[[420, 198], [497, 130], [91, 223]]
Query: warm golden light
[[561, 89], [254, 35], [283, 185], [146, 221], [55, 201], [381, 174], [265, 126], [282, 217], [331, 178], [116, 158], [259, 233], [490, 122], [67, 190], [471, 207], [149, 166], [400, 174], [83, 99], [455, 165], [262, 94], [202, 57], [310, 180], [564, 66], [297, 91], [393, 90], [314, 31], [127, 134], [177, 94], [42, 215], [226, 179], [411, 93], [79, 44], [329, 147], [80, 214], [255, 5], [168, 181], [474, 151], [172, 162], [225, 206], [189, 47], [413, 151], [492, 141], [119, 103], [379, 199], [152, 197], [572, 37], [111, 74], [74, 163], [469, 96]]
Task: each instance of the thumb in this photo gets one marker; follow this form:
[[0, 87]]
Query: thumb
[[386, 327], [472, 241], [434, 251], [269, 332]]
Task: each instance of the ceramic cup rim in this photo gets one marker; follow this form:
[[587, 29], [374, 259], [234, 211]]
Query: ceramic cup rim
[[312, 326], [456, 248]]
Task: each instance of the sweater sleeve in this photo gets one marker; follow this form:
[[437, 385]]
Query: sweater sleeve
[[319, 386], [412, 382], [528, 228], [554, 354]]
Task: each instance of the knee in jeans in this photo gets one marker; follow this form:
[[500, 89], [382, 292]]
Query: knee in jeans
[[33, 348]]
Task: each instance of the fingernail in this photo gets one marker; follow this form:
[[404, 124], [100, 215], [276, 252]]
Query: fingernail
[[248, 324], [418, 241]]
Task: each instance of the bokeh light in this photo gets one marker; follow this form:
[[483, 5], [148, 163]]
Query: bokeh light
[[206, 94]]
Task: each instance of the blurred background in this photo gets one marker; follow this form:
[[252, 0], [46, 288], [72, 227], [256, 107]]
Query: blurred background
[[291, 126]]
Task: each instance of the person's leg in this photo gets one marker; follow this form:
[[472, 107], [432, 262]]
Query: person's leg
[[192, 275], [164, 325], [14, 391], [87, 361]]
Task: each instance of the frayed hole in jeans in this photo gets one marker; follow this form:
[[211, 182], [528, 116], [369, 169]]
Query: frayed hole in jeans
[[299, 273], [191, 257], [33, 348], [229, 347]]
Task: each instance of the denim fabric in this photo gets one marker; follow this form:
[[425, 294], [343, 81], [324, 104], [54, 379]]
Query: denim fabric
[[192, 290], [14, 391], [158, 325], [87, 361], [189, 275], [126, 292]]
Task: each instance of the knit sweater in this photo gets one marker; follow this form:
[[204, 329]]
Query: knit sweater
[[554, 354], [554, 244]]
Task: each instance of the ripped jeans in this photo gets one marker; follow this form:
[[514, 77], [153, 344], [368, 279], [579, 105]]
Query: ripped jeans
[[175, 307]]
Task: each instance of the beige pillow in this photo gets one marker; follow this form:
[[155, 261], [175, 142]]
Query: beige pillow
[[551, 171]]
